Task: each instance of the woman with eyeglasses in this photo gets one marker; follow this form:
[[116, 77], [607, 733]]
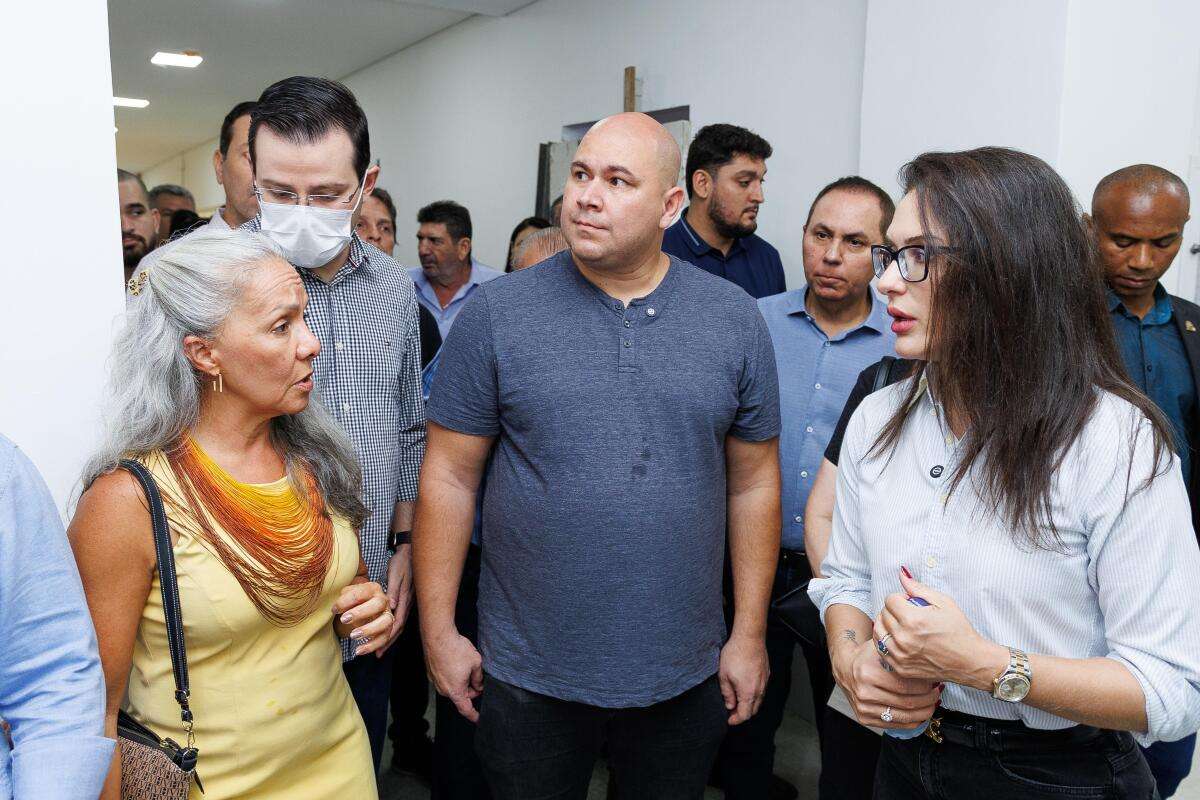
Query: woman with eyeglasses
[[1012, 551]]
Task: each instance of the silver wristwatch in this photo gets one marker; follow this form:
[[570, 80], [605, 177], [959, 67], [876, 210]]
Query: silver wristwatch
[[1012, 685]]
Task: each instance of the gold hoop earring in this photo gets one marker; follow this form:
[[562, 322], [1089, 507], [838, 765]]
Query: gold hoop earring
[[219, 384]]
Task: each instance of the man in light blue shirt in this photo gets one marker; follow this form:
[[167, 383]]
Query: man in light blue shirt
[[51, 684], [824, 334], [448, 274]]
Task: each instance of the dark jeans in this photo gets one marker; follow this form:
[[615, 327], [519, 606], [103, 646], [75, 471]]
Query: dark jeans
[[457, 774], [1082, 762], [848, 750], [371, 682], [410, 687], [1170, 762], [532, 745]]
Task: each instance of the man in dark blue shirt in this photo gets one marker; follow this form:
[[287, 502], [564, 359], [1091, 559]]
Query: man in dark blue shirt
[[725, 169], [1138, 214]]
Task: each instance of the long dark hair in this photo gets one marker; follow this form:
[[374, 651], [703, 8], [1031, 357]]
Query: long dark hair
[[1019, 327], [537, 223]]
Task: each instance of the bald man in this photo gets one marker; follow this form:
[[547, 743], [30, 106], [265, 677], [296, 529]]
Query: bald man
[[1138, 214], [537, 247], [633, 404]]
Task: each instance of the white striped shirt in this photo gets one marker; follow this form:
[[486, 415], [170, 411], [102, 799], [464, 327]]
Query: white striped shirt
[[1122, 585]]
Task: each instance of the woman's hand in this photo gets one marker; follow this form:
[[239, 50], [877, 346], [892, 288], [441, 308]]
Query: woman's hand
[[873, 690], [935, 642], [362, 612]]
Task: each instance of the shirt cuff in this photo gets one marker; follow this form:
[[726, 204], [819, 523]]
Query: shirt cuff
[[62, 767], [825, 592]]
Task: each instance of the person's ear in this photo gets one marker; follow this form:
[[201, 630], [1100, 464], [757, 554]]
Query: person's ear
[[370, 179], [672, 204], [219, 167], [156, 215], [463, 247], [702, 184], [200, 354]]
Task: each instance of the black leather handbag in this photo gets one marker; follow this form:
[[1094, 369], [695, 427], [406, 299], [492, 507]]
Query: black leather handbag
[[795, 609], [153, 768]]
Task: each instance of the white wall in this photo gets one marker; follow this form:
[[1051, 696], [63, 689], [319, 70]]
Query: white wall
[[460, 114], [192, 169], [1132, 81], [58, 302], [956, 74]]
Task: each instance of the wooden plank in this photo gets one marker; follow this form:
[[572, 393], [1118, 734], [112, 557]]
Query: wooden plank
[[631, 88]]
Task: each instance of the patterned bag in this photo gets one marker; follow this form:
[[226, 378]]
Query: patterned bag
[[153, 768]]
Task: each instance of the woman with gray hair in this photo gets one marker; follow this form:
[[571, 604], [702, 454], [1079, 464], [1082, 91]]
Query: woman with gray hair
[[210, 388]]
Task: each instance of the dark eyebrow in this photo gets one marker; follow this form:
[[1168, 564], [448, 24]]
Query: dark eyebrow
[[749, 173], [617, 168], [329, 188], [278, 310], [918, 239]]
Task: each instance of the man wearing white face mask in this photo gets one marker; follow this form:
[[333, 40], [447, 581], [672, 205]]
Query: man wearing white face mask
[[310, 152]]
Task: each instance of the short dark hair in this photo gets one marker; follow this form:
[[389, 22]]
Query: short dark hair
[[237, 112], [717, 145], [856, 183], [1149, 178], [455, 217], [126, 175], [303, 109], [172, 189], [382, 196]]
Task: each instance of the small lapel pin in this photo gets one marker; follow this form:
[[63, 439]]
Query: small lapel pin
[[1189, 326]]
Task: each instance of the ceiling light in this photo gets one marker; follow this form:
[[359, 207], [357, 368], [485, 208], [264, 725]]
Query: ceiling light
[[188, 58], [129, 102]]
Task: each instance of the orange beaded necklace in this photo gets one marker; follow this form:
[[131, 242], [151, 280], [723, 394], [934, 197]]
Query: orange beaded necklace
[[284, 539]]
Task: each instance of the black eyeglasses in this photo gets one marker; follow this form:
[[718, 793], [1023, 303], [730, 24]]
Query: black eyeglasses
[[912, 261]]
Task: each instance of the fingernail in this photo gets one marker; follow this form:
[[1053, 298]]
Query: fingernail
[[356, 634], [347, 617], [907, 574], [357, 652]]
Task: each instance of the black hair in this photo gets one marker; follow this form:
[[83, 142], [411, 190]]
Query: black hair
[[126, 175], [237, 112], [382, 196], [717, 145], [184, 222], [456, 218], [303, 109], [538, 223], [855, 183]]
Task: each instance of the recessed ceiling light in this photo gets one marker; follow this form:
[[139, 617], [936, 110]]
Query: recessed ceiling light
[[188, 58], [130, 102]]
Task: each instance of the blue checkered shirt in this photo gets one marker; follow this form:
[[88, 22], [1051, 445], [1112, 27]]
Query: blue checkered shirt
[[369, 377]]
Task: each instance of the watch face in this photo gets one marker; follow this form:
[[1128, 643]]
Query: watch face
[[1013, 688]]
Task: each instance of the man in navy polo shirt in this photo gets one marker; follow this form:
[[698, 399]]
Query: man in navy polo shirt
[[726, 166], [633, 403]]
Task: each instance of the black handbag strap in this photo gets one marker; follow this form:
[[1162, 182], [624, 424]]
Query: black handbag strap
[[883, 373], [165, 556]]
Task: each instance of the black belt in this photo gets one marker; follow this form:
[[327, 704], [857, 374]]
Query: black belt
[[996, 736], [792, 557]]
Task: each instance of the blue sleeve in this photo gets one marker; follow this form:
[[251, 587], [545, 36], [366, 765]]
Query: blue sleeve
[[464, 396], [780, 281], [51, 683], [757, 417]]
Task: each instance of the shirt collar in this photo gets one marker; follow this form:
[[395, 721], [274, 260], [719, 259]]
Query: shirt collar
[[877, 318], [1160, 314], [699, 246], [474, 279]]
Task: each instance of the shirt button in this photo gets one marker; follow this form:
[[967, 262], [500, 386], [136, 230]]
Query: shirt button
[[803, 473], [628, 343], [628, 324], [828, 343], [345, 406], [339, 345], [931, 562], [818, 386], [650, 312], [798, 518], [949, 440], [944, 498], [808, 429]]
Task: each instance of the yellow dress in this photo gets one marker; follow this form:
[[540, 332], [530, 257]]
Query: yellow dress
[[274, 717]]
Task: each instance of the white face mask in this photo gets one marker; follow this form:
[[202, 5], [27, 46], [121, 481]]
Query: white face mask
[[309, 237]]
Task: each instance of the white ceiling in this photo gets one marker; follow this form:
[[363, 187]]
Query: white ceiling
[[247, 45]]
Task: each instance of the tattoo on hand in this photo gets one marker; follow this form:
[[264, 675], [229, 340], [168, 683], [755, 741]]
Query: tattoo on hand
[[850, 636], [886, 666]]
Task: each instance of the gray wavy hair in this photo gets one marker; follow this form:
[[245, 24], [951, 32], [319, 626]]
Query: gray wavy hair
[[154, 390]]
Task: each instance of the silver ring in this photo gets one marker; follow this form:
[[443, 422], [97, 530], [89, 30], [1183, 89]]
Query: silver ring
[[881, 644], [886, 716]]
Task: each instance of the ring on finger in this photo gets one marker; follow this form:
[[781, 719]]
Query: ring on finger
[[881, 644], [887, 715]]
